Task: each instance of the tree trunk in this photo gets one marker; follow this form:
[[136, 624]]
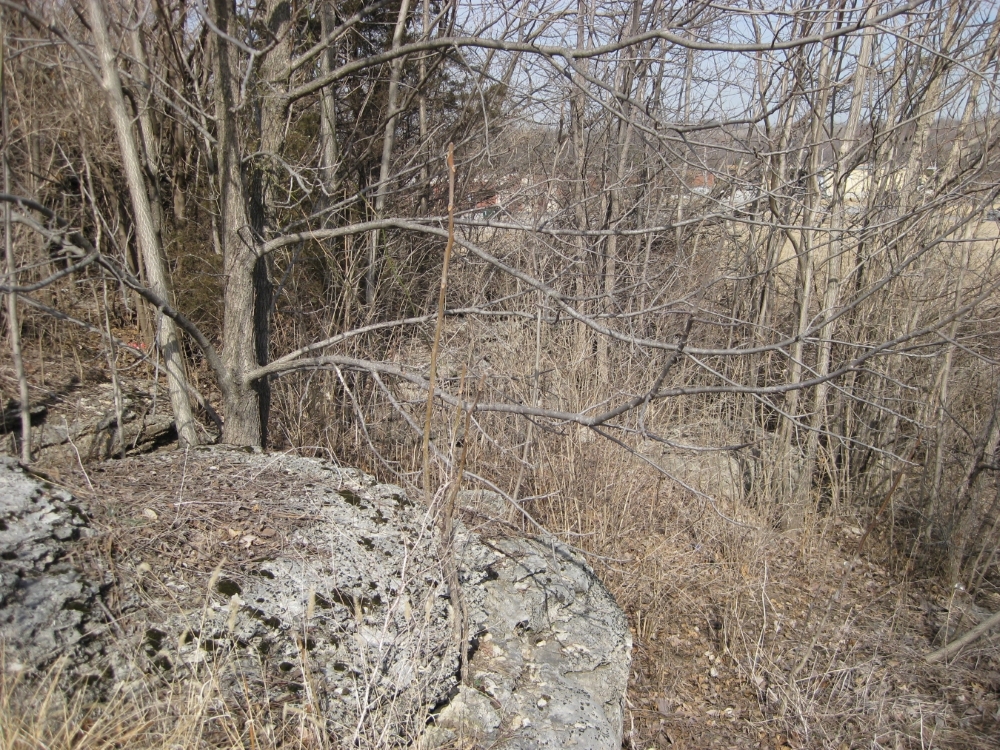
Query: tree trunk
[[388, 141], [800, 497], [146, 235], [273, 103], [329, 146], [12, 318], [245, 415], [834, 269], [577, 107]]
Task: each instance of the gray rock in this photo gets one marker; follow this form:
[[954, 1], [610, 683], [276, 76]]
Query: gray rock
[[717, 474], [484, 503], [552, 650], [350, 616], [44, 601]]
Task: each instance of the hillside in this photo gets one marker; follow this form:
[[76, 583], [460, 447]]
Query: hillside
[[708, 293], [743, 636]]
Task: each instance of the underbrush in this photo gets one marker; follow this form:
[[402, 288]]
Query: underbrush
[[46, 712], [745, 635]]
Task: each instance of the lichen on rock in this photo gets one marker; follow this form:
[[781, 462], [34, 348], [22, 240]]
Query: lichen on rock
[[44, 600], [343, 615]]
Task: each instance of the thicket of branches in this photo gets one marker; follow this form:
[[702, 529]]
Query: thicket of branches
[[774, 221]]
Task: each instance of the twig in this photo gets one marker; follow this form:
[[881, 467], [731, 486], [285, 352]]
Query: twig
[[79, 460], [425, 447]]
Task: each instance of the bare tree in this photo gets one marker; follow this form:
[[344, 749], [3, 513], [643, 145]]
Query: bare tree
[[148, 238], [13, 323]]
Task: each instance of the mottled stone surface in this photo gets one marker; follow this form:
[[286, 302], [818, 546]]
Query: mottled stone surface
[[348, 617], [552, 651], [45, 603], [344, 612]]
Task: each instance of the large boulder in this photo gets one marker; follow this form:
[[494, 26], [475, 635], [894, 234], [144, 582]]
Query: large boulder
[[552, 650], [330, 600]]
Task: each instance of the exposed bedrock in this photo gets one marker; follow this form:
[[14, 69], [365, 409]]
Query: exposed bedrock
[[349, 613], [45, 600]]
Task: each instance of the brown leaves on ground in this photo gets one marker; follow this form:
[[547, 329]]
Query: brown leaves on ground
[[747, 638]]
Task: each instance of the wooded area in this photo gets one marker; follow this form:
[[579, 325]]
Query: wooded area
[[761, 232]]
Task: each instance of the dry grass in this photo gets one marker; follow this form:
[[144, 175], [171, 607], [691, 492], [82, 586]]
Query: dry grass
[[41, 713], [745, 637], [749, 638]]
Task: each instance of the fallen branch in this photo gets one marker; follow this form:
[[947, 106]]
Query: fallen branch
[[981, 629]]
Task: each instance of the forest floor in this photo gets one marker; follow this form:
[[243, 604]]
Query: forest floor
[[744, 637], [780, 644]]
